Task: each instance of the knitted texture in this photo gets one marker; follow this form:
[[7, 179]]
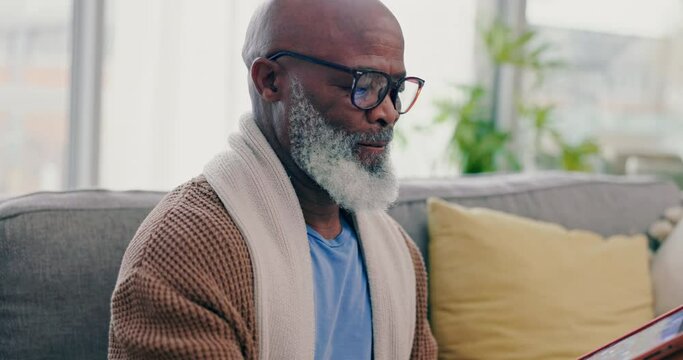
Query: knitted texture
[[424, 343], [186, 290]]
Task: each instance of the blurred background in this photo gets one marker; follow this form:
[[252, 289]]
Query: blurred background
[[126, 94]]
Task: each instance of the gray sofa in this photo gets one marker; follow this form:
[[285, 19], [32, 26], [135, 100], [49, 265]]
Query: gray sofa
[[60, 252]]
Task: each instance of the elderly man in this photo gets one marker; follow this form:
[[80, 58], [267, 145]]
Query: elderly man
[[282, 249]]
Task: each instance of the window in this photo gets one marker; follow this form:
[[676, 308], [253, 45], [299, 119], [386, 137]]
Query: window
[[624, 81], [440, 48], [34, 87], [174, 88]]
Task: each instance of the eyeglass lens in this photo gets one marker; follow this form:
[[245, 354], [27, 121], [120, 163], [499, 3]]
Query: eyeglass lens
[[369, 88], [407, 94], [372, 87]]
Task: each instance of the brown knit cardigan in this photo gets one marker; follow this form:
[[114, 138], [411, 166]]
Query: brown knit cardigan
[[186, 291]]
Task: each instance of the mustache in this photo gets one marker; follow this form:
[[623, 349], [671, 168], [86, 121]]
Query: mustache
[[385, 135]]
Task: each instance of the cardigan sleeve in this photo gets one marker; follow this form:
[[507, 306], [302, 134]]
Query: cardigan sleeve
[[153, 320], [185, 287], [424, 344]]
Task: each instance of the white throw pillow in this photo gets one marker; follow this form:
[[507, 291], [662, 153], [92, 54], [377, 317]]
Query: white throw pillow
[[667, 272]]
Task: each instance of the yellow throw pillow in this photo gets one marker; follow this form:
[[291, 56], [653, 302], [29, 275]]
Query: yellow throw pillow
[[507, 287]]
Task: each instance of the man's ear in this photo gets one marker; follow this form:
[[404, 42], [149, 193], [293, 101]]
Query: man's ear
[[266, 77]]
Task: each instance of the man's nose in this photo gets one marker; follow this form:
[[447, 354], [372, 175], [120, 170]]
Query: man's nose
[[385, 113]]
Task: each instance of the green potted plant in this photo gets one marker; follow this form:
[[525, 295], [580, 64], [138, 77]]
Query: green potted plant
[[477, 145]]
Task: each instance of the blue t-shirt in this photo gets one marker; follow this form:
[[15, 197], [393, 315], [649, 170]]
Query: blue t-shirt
[[342, 298]]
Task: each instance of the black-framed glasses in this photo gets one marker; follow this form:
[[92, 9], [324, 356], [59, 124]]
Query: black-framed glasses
[[370, 87]]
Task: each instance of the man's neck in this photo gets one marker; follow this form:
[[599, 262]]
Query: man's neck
[[320, 212]]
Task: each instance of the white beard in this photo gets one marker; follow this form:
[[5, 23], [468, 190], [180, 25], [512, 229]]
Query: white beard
[[328, 156]]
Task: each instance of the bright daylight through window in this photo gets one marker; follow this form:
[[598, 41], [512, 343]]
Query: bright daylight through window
[[603, 92], [34, 88], [621, 83]]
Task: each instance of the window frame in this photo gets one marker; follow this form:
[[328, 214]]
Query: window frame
[[85, 93]]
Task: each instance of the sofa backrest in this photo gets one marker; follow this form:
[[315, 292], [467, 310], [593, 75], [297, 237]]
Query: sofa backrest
[[59, 260], [60, 252], [607, 205]]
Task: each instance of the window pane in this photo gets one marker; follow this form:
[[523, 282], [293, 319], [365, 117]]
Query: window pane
[[34, 77], [623, 83], [174, 87]]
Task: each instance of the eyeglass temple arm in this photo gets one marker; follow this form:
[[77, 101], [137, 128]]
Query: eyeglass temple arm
[[280, 54]]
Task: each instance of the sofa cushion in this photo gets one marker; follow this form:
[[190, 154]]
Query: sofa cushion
[[507, 287], [59, 258]]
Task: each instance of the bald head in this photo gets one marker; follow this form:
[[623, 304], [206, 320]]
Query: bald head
[[312, 82], [330, 29], [356, 34]]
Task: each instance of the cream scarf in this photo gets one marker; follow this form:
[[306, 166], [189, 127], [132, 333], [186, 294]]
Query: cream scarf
[[255, 189]]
